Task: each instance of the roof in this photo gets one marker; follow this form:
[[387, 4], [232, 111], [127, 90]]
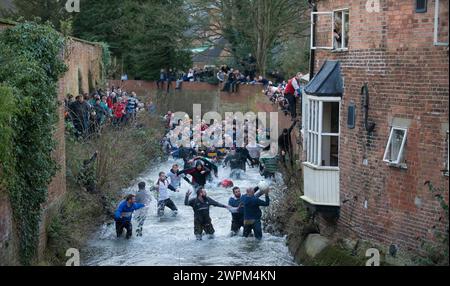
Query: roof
[[328, 81], [211, 53]]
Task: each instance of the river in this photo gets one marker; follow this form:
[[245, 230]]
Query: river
[[171, 242]]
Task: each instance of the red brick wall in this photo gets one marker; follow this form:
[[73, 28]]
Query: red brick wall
[[85, 57], [77, 55], [408, 77]]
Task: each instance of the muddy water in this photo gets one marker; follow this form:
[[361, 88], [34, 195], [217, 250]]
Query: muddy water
[[171, 241]]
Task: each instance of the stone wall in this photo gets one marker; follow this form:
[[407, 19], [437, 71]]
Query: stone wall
[[393, 51]]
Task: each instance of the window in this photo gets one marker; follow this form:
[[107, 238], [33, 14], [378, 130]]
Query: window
[[341, 29], [421, 6], [323, 131], [396, 146], [330, 30], [441, 23]]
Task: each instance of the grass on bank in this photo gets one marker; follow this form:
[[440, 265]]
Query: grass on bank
[[122, 155]]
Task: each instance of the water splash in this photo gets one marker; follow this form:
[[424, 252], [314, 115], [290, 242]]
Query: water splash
[[171, 242]]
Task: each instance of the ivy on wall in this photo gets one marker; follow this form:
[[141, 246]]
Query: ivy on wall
[[31, 66], [7, 110]]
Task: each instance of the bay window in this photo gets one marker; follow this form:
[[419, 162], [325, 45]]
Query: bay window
[[322, 131]]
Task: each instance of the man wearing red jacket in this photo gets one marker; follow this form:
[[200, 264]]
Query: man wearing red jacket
[[293, 88]]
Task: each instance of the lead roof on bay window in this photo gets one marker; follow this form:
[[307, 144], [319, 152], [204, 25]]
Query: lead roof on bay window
[[328, 81]]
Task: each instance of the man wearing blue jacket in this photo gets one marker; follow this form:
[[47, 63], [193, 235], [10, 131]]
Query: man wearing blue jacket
[[124, 214], [252, 212]]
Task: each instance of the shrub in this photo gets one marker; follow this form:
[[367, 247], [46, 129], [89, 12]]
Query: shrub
[[31, 64]]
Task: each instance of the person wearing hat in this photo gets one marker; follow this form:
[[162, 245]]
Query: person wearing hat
[[199, 174], [202, 220]]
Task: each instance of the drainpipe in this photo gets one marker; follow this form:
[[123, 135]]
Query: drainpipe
[[312, 59]]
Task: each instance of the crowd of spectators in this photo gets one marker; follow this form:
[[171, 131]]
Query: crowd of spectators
[[88, 113]]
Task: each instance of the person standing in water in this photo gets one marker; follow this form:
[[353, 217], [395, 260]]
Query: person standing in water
[[238, 218], [199, 174], [142, 197], [201, 205], [163, 186], [124, 214], [237, 221], [252, 212], [175, 177]]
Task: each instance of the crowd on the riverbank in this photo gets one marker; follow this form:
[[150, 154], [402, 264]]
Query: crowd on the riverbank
[[283, 93], [201, 166], [88, 113], [287, 94], [228, 78]]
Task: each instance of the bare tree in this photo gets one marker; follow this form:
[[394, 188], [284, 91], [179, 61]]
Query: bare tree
[[254, 26]]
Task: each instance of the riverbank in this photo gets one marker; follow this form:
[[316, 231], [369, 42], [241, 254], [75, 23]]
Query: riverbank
[[122, 155], [288, 216]]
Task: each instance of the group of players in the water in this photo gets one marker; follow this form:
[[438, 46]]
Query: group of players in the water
[[245, 208], [201, 165]]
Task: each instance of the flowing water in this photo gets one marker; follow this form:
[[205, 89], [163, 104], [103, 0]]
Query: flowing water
[[171, 242]]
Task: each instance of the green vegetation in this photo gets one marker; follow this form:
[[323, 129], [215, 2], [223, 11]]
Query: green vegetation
[[334, 256], [43, 10], [437, 254], [262, 27], [144, 35], [122, 155], [29, 54], [8, 108]]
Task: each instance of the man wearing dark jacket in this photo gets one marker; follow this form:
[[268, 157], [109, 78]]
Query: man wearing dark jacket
[[201, 205], [252, 213], [199, 174], [285, 144], [237, 164], [208, 164], [186, 154], [79, 112]]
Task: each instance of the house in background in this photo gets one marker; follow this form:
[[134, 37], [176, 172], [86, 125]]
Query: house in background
[[209, 55], [375, 121]]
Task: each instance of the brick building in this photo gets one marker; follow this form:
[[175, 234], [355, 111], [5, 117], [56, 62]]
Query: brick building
[[375, 120]]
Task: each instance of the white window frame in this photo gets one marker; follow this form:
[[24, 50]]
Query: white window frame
[[402, 147], [344, 35], [312, 30], [436, 25], [314, 131]]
